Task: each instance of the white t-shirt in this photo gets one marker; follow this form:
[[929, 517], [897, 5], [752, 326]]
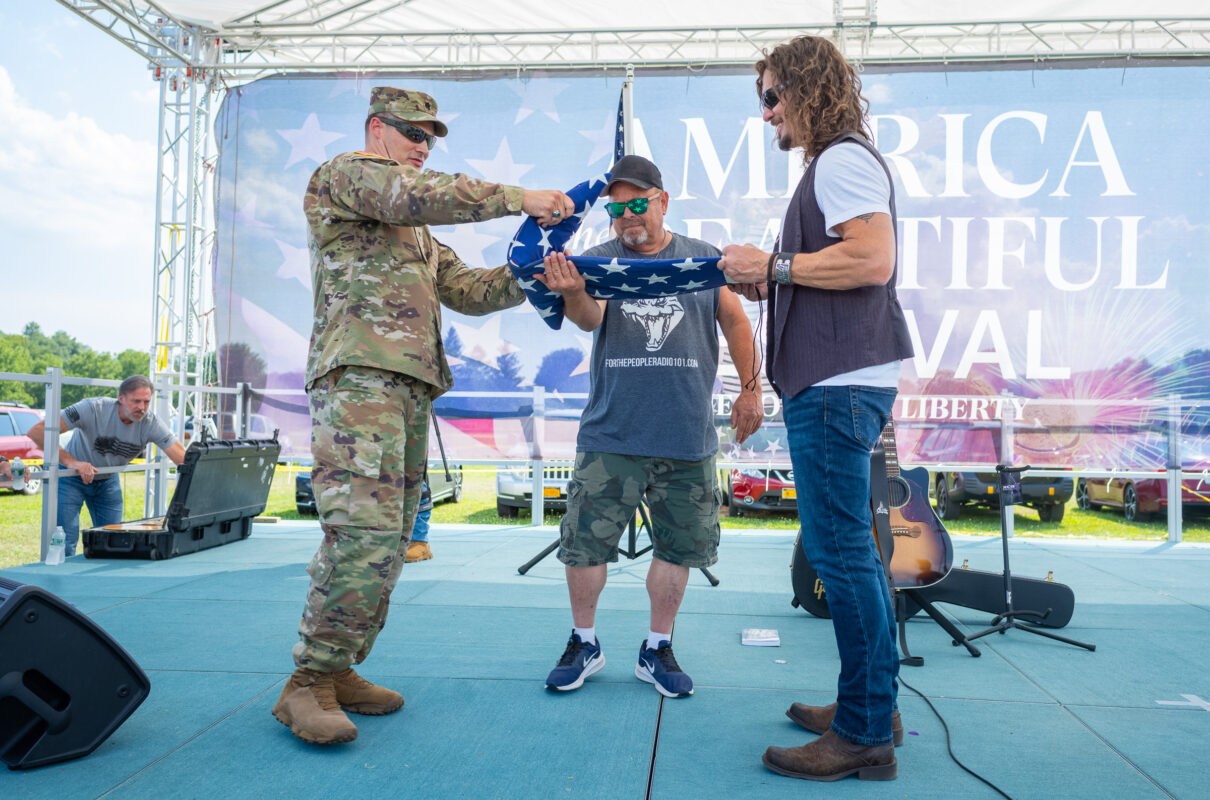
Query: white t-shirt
[[850, 182]]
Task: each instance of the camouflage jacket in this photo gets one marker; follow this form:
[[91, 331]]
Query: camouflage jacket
[[378, 274]]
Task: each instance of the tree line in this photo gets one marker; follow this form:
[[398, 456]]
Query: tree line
[[32, 351]]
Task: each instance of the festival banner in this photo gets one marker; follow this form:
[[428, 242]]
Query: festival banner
[[1053, 232]]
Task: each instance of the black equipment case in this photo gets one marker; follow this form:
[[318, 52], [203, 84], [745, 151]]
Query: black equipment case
[[221, 485]]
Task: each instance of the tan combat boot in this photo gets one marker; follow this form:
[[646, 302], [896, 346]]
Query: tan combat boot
[[418, 551], [818, 719], [308, 707], [356, 694]]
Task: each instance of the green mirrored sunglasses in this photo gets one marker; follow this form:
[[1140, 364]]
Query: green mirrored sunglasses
[[638, 206]]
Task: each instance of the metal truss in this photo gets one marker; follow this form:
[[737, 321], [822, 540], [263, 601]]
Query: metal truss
[[251, 51], [181, 331], [335, 35], [184, 235]]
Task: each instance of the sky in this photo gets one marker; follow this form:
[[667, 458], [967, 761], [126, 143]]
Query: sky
[[78, 115]]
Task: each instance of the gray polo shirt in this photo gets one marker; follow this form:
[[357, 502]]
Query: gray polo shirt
[[101, 438]]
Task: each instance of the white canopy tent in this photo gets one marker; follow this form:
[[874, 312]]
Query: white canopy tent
[[198, 50]]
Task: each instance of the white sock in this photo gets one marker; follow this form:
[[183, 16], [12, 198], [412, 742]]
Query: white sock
[[587, 635], [654, 639]]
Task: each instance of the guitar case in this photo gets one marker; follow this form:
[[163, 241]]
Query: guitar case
[[970, 588]]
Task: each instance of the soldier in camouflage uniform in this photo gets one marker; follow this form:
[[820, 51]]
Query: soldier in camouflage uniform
[[648, 429], [375, 365]]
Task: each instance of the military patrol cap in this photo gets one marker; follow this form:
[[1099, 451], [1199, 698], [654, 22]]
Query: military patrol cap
[[408, 105]]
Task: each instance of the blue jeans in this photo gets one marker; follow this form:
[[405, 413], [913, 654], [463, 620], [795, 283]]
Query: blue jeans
[[831, 431], [104, 499], [420, 530]]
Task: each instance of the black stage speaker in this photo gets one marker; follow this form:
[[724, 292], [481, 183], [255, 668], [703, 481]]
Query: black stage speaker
[[65, 685]]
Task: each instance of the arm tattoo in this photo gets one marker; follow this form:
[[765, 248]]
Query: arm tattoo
[[865, 217]]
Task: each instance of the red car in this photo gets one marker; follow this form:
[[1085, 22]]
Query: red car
[[1139, 498], [756, 489], [15, 420]]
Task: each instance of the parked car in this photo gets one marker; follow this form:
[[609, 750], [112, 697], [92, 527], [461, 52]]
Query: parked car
[[259, 427], [208, 427], [15, 420], [440, 487], [951, 490], [515, 488], [1139, 498], [757, 489]]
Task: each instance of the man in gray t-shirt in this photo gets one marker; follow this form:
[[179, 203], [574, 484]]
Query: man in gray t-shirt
[[648, 428], [108, 433]]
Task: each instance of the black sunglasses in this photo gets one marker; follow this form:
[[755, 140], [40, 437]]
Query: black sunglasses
[[770, 98], [413, 133], [638, 205]]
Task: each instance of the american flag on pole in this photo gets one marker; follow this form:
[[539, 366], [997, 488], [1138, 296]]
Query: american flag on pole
[[619, 138]]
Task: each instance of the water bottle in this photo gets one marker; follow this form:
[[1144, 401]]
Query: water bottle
[[18, 467], [57, 546]]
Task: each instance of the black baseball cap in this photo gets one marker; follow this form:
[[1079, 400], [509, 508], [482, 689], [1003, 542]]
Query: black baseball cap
[[635, 170]]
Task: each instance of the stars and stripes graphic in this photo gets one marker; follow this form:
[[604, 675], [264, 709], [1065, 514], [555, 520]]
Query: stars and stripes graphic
[[606, 278]]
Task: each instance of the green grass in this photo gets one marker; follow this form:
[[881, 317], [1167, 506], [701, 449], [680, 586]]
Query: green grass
[[21, 516]]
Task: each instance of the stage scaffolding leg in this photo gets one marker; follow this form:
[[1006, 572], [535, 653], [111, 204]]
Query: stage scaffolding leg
[[183, 235]]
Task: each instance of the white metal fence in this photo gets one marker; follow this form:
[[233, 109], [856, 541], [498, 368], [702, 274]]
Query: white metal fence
[[158, 469]]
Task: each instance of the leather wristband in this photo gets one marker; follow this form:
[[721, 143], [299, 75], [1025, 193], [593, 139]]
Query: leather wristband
[[769, 276], [780, 268]]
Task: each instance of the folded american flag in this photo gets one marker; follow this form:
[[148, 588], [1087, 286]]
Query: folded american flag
[[605, 278]]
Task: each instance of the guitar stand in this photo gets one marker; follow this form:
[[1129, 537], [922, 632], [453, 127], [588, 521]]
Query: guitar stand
[[1010, 495], [957, 636], [630, 550]]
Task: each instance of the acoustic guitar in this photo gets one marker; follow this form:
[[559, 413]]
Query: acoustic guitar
[[923, 553]]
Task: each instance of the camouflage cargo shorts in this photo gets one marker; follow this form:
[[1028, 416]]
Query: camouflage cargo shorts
[[603, 494]]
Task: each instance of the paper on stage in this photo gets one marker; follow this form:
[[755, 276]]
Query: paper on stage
[[760, 637]]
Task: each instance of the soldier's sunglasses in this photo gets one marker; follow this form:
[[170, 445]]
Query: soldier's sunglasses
[[770, 97], [638, 205], [412, 133]]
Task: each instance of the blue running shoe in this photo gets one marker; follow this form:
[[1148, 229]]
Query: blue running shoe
[[659, 667], [578, 662]]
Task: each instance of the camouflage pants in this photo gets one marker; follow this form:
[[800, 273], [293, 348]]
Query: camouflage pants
[[604, 492], [369, 440]]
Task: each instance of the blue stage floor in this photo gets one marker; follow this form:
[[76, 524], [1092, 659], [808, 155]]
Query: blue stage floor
[[470, 641]]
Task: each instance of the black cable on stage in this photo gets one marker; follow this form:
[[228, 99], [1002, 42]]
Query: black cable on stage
[[948, 746], [750, 384]]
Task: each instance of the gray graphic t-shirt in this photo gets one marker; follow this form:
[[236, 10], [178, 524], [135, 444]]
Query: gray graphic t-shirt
[[654, 363], [103, 440]]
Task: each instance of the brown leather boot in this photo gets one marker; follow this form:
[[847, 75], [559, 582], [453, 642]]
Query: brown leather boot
[[830, 758], [308, 707], [818, 719], [356, 694], [417, 551]]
